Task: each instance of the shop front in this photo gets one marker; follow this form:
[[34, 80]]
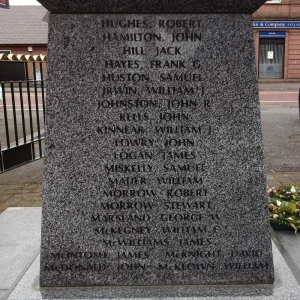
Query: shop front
[[277, 50]]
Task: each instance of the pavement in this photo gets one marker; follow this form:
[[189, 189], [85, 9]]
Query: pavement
[[279, 86], [22, 186]]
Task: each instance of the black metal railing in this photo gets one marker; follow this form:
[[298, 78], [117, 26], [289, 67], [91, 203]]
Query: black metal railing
[[22, 114]]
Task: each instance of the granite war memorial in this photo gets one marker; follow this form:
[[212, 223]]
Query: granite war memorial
[[154, 168]]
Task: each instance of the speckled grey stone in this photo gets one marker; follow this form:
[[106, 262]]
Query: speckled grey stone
[[98, 227], [153, 6], [285, 287]]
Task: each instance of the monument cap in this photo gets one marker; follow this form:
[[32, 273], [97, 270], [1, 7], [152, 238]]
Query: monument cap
[[153, 6]]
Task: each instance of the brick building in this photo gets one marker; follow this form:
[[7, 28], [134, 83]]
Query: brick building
[[277, 40], [23, 30]]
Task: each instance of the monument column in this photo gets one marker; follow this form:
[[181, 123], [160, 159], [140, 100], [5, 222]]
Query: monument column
[[154, 168]]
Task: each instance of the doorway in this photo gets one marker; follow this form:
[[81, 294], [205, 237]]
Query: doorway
[[271, 58]]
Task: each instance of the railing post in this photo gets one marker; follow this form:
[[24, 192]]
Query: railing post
[[22, 127]]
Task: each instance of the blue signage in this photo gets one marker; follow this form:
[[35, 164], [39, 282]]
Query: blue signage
[[272, 34], [276, 24]]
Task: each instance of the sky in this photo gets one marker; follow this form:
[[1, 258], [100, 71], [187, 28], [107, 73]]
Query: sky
[[23, 2]]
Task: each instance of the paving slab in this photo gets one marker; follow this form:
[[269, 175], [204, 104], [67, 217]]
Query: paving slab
[[30, 174], [3, 293], [19, 245], [288, 244]]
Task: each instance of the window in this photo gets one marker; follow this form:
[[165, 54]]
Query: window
[[273, 1], [271, 58], [5, 52]]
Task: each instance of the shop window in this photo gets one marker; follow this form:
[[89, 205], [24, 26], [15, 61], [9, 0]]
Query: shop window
[[271, 58], [5, 52]]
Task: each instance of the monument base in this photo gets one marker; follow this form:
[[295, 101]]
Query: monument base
[[18, 227]]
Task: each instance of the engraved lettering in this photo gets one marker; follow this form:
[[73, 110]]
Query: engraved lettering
[[193, 254], [179, 180], [127, 103], [184, 217], [138, 117], [77, 255], [140, 142], [131, 242], [240, 266], [134, 130], [133, 155], [124, 23], [195, 242], [171, 117], [187, 267], [129, 193], [133, 51], [168, 51], [183, 77], [172, 142], [119, 90], [131, 37], [127, 181], [128, 168], [121, 64], [186, 193], [179, 23], [172, 64], [132, 267], [184, 168], [186, 37], [75, 268], [130, 77], [187, 205], [121, 205], [169, 90], [137, 254], [246, 253], [122, 230]]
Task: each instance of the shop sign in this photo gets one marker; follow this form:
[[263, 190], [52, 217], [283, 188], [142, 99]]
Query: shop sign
[[4, 3], [272, 34], [276, 24]]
